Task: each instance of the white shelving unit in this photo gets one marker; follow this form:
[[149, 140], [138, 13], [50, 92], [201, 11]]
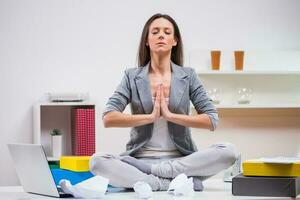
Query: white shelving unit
[[270, 89], [49, 115], [269, 124]]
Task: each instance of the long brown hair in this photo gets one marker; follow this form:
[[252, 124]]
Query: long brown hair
[[144, 50]]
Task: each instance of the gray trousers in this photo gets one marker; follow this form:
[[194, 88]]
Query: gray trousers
[[202, 164]]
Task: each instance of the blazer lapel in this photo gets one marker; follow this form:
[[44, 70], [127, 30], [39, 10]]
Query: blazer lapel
[[143, 87], [179, 83]]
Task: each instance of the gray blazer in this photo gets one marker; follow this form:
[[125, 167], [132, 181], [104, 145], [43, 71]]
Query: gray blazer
[[185, 87]]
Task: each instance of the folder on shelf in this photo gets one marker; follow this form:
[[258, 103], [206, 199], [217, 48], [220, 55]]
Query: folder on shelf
[[83, 131], [258, 167], [78, 131], [90, 127]]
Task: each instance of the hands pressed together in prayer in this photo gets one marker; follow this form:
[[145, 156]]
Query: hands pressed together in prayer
[[160, 107]]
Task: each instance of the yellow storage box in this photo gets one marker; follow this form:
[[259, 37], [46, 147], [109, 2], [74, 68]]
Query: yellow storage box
[[257, 167], [75, 163]]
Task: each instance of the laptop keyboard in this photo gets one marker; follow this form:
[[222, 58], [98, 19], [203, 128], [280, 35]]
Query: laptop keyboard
[[62, 194], [60, 191]]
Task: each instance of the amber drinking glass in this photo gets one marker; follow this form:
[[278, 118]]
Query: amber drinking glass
[[215, 59], [239, 60]]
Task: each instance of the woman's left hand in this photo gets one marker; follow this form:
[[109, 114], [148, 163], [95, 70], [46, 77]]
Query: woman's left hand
[[164, 109]]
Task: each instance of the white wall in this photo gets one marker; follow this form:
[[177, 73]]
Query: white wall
[[84, 46]]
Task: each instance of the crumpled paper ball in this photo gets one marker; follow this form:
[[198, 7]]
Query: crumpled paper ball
[[92, 188], [181, 185], [143, 190]]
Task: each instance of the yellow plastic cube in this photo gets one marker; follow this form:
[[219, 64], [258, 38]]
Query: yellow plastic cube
[[75, 163]]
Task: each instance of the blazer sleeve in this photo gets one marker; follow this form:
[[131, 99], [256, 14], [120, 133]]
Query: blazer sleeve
[[120, 98], [201, 101]]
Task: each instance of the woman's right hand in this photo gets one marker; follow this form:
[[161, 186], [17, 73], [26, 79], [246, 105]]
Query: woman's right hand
[[156, 108]]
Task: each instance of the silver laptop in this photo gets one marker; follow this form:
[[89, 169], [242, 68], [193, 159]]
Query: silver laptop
[[33, 170]]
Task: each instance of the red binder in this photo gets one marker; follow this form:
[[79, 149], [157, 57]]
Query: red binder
[[90, 128], [83, 131]]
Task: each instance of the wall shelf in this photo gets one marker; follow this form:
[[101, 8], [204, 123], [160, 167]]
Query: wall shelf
[[270, 89], [256, 112], [247, 106], [220, 72]]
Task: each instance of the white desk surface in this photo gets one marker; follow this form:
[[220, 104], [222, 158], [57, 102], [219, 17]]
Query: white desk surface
[[214, 189]]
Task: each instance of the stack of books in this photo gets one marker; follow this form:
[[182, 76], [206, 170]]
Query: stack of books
[[276, 176], [83, 131]]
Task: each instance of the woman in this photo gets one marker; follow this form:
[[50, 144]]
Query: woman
[[160, 91]]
